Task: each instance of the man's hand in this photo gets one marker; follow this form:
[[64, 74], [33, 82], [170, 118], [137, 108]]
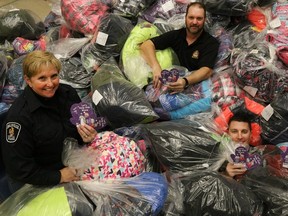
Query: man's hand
[[177, 87], [235, 169], [156, 82], [148, 52]]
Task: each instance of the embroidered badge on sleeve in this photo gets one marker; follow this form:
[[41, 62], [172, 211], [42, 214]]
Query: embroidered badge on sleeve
[[12, 131]]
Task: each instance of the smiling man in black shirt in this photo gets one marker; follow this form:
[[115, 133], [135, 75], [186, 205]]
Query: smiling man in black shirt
[[196, 49]]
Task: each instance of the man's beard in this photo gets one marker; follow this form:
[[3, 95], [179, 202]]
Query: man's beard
[[194, 31]]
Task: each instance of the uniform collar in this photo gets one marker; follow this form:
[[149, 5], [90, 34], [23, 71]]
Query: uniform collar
[[35, 101]]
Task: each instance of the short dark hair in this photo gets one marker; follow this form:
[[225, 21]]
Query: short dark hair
[[241, 117], [199, 4]]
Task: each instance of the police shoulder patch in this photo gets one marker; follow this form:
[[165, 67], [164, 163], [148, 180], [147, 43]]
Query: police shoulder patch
[[12, 131]]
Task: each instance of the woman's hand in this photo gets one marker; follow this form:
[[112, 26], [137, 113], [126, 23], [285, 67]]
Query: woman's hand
[[68, 174], [87, 132], [235, 169]]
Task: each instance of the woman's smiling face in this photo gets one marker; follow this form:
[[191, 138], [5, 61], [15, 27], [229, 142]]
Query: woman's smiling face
[[45, 82]]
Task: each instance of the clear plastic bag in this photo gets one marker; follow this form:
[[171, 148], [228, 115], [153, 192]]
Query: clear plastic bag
[[66, 47], [269, 182], [134, 66], [15, 83], [181, 145], [259, 73], [225, 91], [117, 99], [228, 8], [73, 73], [130, 8], [109, 156], [164, 9], [83, 15], [59, 200], [144, 194], [20, 23], [210, 193], [111, 34], [275, 127]]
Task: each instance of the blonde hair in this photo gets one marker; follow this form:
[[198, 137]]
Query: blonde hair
[[36, 59]]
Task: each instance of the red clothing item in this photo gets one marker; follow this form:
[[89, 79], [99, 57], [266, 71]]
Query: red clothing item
[[82, 15]]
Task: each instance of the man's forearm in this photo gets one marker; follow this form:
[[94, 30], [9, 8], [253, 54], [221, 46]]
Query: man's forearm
[[148, 52], [199, 75]]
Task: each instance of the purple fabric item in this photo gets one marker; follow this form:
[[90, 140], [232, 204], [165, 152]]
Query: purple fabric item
[[225, 47], [163, 9], [15, 81]]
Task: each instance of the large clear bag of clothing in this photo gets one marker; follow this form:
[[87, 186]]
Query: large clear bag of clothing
[[274, 120], [225, 91], [228, 7], [210, 193], [134, 66], [164, 9], [258, 72], [195, 99], [20, 23], [117, 99], [108, 156], [279, 9], [144, 194], [63, 199], [112, 32], [15, 83], [136, 133], [83, 15], [181, 145], [74, 74], [130, 8], [65, 48], [226, 46]]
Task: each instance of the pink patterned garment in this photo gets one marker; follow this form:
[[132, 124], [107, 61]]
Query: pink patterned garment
[[116, 157], [83, 15]]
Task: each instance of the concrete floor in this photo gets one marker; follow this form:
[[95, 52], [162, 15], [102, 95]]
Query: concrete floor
[[39, 7]]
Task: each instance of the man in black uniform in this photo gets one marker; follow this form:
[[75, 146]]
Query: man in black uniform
[[37, 124], [196, 49]]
